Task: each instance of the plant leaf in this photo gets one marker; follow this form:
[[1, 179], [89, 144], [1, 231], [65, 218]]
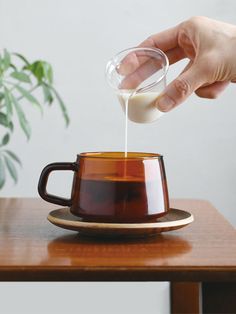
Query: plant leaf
[[8, 102], [4, 121], [5, 139], [11, 168], [2, 96], [11, 126], [36, 69], [13, 66], [48, 98], [42, 70], [6, 59], [26, 94], [2, 173], [21, 76], [62, 106], [21, 57], [1, 64], [13, 156], [22, 119], [48, 73]]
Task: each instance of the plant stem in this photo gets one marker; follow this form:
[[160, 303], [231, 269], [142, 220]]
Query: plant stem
[[11, 83], [14, 86], [21, 97], [29, 91]]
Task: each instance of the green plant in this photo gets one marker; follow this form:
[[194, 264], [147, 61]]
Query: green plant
[[18, 80]]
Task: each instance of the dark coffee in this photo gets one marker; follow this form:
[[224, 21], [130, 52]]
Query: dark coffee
[[119, 199]]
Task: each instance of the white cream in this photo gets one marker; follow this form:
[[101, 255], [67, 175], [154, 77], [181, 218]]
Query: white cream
[[141, 106]]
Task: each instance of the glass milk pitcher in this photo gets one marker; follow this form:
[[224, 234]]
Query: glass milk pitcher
[[138, 77]]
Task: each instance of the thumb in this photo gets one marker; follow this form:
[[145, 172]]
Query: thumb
[[181, 88]]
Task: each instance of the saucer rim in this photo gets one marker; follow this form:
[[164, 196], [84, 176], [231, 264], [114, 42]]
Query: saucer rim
[[107, 225]]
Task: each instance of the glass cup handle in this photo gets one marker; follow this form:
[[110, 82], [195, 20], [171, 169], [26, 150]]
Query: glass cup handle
[[42, 185]]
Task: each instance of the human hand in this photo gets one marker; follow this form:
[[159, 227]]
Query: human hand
[[210, 46]]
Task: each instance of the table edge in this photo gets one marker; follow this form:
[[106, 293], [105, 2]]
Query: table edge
[[219, 273]]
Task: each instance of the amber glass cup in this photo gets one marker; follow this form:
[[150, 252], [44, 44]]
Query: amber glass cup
[[109, 187]]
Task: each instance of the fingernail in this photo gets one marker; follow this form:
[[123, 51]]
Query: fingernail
[[165, 103]]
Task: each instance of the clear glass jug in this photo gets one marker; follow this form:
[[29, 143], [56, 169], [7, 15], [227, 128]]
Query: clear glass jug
[[138, 77]]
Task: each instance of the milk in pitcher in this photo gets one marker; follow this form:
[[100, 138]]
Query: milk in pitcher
[[140, 107]]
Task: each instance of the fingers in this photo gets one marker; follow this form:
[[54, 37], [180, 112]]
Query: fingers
[[131, 62], [137, 72], [174, 55], [181, 88], [188, 82], [211, 91], [146, 70], [165, 40]]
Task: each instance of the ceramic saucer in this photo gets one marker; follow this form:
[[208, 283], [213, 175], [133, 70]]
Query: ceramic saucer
[[174, 219]]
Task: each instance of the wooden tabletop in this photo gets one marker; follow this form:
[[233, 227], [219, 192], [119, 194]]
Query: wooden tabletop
[[33, 249]]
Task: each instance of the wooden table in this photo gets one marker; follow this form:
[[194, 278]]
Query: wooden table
[[199, 260]]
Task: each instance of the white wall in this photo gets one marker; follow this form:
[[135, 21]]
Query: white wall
[[78, 37]]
